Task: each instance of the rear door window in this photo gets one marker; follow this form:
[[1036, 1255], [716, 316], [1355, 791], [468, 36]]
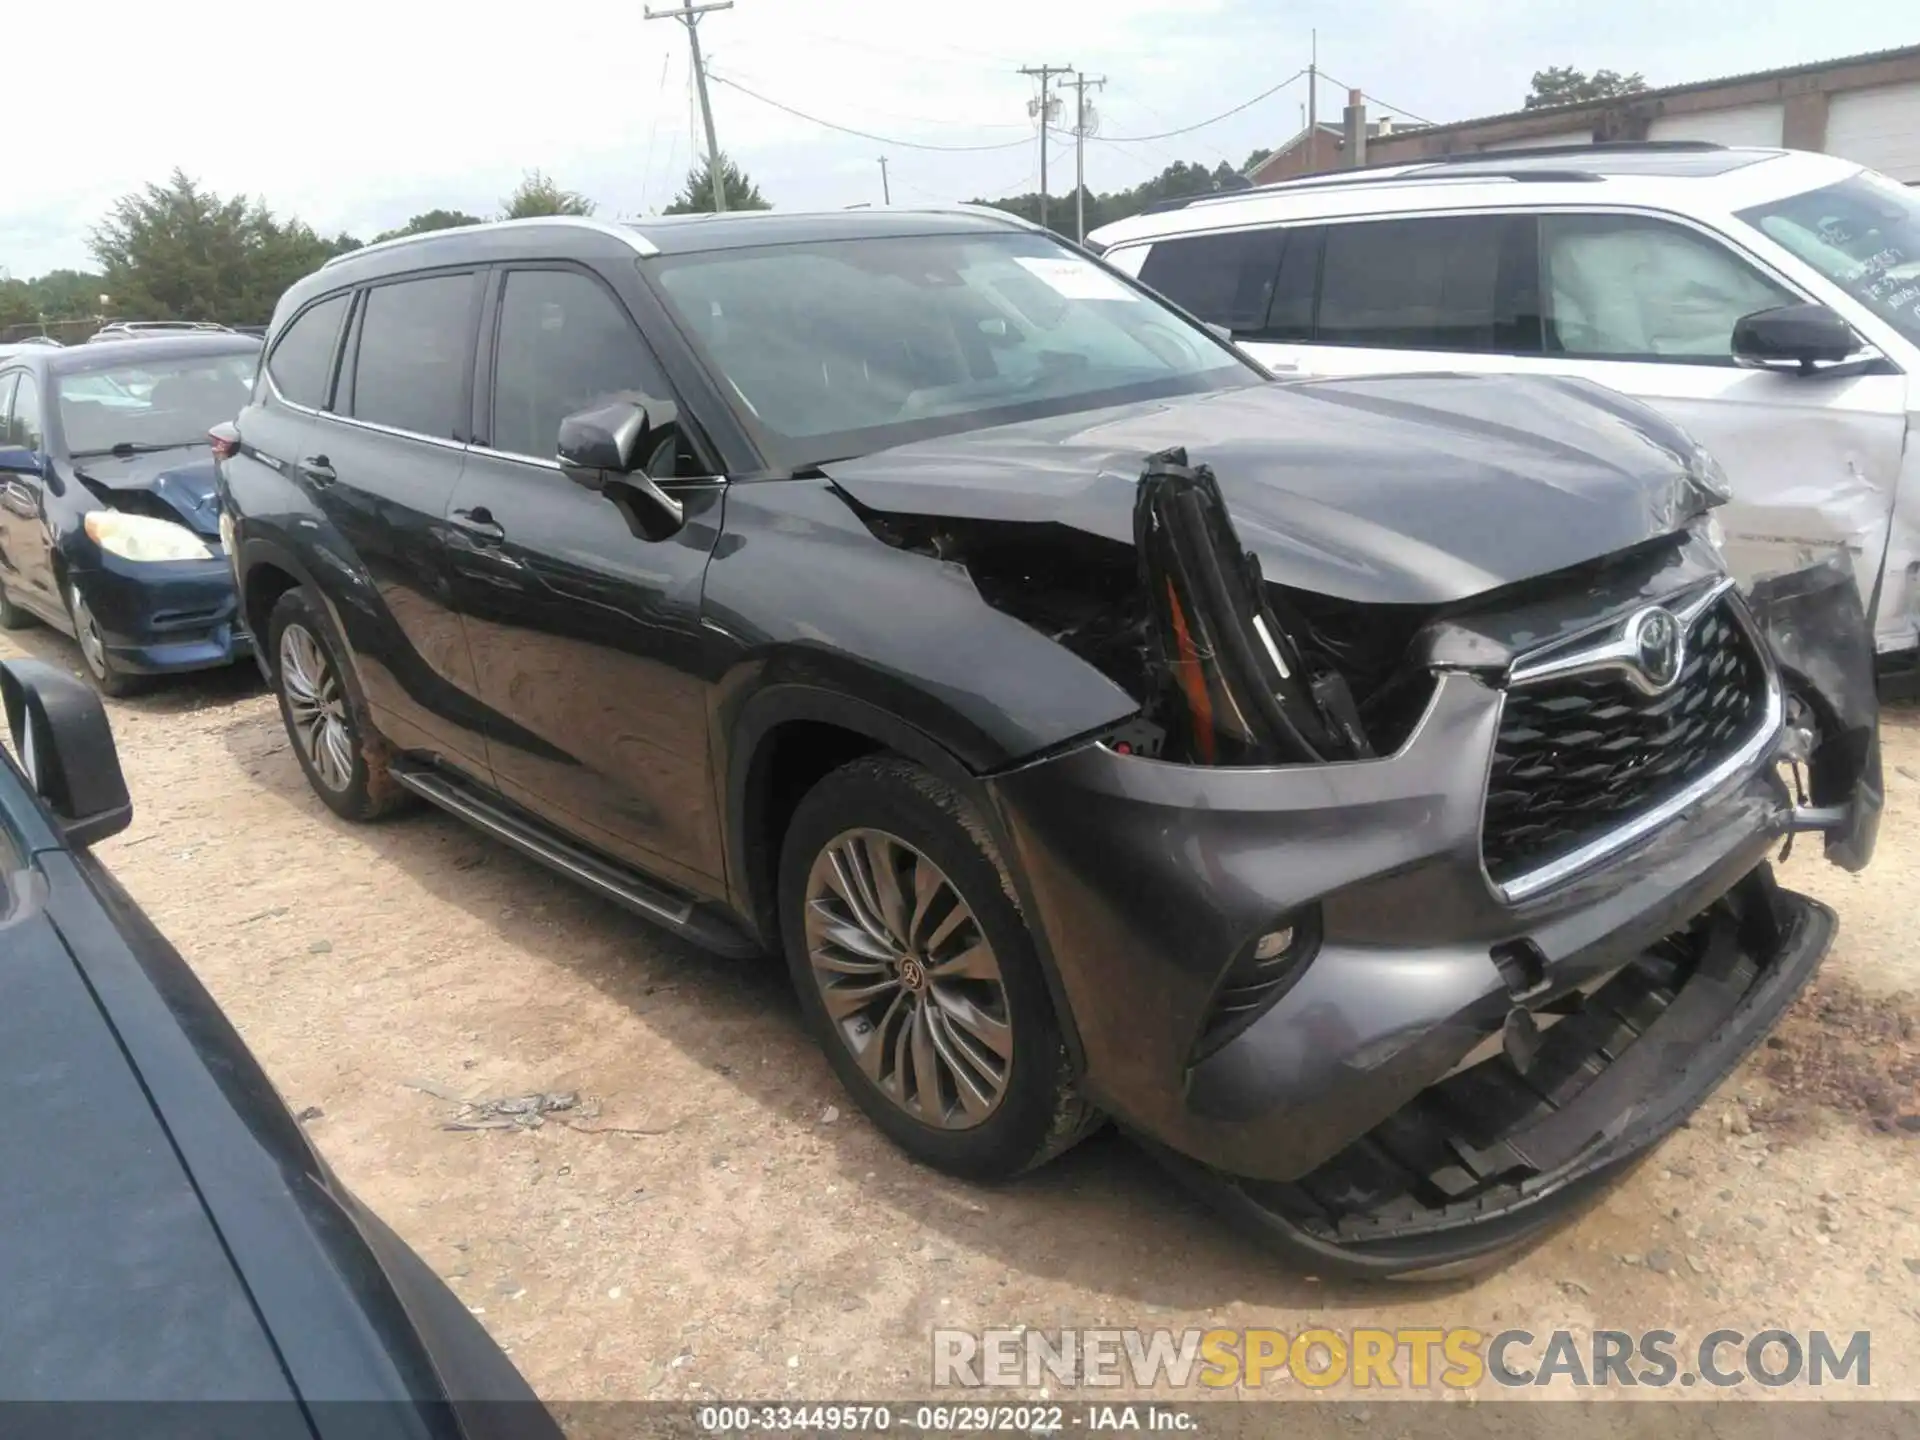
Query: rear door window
[[1632, 287], [1224, 279], [302, 360], [1453, 282], [413, 358]]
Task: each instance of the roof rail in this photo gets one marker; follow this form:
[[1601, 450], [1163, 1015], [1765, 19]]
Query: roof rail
[[1417, 165], [1597, 147], [624, 232]]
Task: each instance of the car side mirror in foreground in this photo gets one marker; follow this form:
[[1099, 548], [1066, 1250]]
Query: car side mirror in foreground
[[65, 749], [18, 460], [1799, 339], [607, 449]]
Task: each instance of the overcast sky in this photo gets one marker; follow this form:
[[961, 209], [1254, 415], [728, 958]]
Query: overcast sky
[[355, 114]]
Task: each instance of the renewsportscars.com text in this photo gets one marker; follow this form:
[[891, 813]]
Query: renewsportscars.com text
[[1364, 1358]]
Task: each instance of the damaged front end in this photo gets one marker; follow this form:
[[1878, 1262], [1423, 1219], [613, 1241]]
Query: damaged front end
[[1399, 926]]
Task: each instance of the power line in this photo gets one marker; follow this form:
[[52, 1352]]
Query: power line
[[1214, 120], [719, 79], [741, 75], [653, 131], [1383, 104]]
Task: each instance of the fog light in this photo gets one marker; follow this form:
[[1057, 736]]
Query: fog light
[[1263, 972], [1273, 944]]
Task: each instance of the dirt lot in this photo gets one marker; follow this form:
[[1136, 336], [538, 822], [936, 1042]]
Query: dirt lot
[[714, 1219]]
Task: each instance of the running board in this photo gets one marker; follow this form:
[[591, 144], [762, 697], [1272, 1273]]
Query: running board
[[646, 898]]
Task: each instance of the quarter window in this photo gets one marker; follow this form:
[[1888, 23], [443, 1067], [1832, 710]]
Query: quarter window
[[1629, 287], [302, 360], [1458, 282], [564, 344], [1224, 279], [413, 355]]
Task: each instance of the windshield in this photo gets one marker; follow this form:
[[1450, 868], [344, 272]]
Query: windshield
[[153, 404], [1863, 234], [842, 347]]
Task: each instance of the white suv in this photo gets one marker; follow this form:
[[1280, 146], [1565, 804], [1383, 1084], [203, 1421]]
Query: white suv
[[1644, 267]]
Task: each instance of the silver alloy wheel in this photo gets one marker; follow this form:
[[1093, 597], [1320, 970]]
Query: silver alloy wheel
[[316, 706], [86, 629], [909, 979]]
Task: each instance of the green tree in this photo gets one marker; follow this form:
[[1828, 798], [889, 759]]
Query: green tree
[[1176, 182], [68, 294], [538, 194], [17, 304], [696, 195], [1255, 157], [431, 220], [1563, 85], [179, 252]]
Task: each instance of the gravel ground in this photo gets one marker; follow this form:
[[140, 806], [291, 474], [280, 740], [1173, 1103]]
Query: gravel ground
[[712, 1218]]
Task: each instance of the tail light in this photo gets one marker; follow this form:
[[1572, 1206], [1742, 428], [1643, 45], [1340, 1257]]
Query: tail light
[[226, 440]]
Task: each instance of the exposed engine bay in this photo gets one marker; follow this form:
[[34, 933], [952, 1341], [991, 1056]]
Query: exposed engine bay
[[1229, 668]]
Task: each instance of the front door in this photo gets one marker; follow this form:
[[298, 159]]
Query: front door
[[1645, 305], [26, 556], [585, 638]]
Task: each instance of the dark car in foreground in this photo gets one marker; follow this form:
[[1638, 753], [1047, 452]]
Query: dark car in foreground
[[1361, 791], [108, 527], [171, 1239]]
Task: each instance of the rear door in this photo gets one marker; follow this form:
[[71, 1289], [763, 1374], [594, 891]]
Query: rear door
[[585, 637], [382, 463]]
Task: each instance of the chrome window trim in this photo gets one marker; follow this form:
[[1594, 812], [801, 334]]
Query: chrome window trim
[[444, 441], [1750, 753]]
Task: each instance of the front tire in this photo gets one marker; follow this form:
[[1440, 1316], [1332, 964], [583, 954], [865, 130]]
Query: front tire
[[345, 759], [918, 975], [110, 678], [12, 617]]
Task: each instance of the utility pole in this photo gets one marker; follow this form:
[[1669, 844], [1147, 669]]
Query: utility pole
[[1313, 101], [1043, 107], [689, 15], [886, 190], [1081, 129]]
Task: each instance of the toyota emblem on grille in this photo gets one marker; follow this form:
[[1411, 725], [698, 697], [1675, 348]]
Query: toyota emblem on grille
[[1655, 638]]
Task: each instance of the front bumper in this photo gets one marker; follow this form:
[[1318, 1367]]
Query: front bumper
[[166, 617], [1146, 879]]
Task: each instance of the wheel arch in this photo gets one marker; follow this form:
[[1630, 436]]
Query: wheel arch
[[788, 737]]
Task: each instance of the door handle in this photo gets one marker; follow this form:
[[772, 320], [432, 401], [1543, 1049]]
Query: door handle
[[318, 469], [479, 523]]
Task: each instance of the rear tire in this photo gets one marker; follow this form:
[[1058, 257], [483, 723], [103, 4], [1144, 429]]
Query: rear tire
[[345, 759], [918, 975]]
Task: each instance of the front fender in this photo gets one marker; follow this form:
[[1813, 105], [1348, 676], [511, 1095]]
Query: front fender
[[1814, 621]]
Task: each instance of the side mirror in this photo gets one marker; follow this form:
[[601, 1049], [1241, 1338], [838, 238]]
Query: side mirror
[[1220, 331], [1799, 339], [66, 750], [607, 449], [18, 460]]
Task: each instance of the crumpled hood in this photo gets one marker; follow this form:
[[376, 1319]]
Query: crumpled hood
[[1398, 489], [182, 478]]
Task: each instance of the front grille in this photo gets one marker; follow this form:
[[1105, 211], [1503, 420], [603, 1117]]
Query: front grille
[[1581, 755]]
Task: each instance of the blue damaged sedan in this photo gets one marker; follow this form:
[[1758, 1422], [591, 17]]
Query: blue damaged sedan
[[109, 529]]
